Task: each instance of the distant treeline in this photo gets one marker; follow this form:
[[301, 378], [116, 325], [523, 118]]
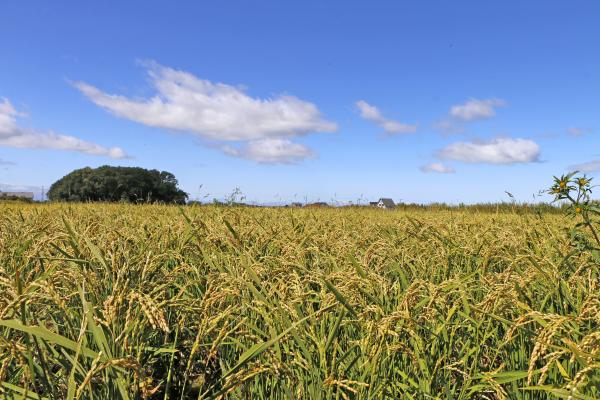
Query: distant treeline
[[519, 208], [488, 207]]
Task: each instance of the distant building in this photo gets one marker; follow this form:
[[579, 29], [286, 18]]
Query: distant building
[[386, 204], [318, 204], [20, 195]]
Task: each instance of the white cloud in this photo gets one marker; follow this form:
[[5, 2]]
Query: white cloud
[[496, 151], [271, 151], [213, 111], [475, 109], [12, 135], [372, 113], [437, 167], [471, 110], [8, 122], [590, 166]]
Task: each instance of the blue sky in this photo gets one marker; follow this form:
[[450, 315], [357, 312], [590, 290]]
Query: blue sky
[[419, 101]]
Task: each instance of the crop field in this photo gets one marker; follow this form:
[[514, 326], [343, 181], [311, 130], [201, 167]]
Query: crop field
[[124, 301]]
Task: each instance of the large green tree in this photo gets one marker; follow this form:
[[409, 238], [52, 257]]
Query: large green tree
[[108, 183]]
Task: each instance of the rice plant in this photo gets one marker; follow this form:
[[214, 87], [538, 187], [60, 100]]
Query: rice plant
[[163, 302]]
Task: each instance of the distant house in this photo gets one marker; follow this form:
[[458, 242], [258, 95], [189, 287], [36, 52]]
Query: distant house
[[19, 195], [386, 204]]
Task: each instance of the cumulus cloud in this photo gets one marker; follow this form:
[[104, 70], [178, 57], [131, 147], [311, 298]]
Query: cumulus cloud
[[12, 135], [475, 109], [590, 166], [437, 167], [217, 112], [471, 110], [270, 151], [496, 151], [373, 114], [213, 111]]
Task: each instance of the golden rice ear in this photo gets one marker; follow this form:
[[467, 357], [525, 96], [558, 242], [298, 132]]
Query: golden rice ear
[[222, 301]]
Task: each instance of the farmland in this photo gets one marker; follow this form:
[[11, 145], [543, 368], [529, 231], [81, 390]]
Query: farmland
[[149, 301]]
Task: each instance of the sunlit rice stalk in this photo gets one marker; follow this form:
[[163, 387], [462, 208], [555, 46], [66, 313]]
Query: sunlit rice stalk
[[160, 302]]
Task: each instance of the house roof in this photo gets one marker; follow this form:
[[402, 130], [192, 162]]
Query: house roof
[[388, 203], [17, 194]]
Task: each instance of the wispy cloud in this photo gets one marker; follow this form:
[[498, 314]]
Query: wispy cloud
[[13, 135], [475, 109], [437, 167], [214, 111], [449, 126], [271, 151], [496, 151], [471, 110], [373, 114], [590, 166], [577, 132]]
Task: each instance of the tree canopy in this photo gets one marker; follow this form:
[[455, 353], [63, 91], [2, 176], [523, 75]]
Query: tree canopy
[[129, 184]]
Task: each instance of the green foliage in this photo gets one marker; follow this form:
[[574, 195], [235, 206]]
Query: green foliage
[[575, 191], [113, 184]]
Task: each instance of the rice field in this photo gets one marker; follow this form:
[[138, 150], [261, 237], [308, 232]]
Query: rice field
[[122, 301]]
